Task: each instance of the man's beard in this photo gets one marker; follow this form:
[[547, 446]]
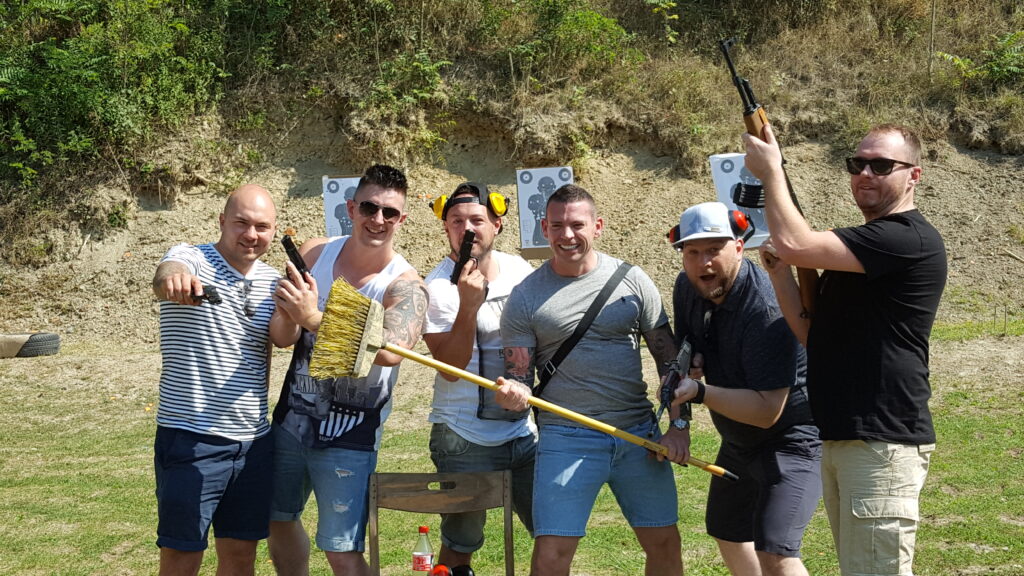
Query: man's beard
[[716, 292]]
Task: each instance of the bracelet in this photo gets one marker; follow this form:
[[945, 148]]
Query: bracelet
[[699, 398]]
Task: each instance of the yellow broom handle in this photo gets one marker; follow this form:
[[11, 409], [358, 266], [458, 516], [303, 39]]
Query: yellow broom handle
[[563, 412]]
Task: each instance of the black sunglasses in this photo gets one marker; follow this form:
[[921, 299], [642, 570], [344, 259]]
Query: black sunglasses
[[368, 209], [880, 166]]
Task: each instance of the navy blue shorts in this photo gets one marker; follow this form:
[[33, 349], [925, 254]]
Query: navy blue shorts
[[204, 480], [774, 499]]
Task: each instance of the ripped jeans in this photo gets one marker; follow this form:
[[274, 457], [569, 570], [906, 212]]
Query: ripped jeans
[[340, 479]]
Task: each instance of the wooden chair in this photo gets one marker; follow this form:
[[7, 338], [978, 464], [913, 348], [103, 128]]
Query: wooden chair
[[453, 493]]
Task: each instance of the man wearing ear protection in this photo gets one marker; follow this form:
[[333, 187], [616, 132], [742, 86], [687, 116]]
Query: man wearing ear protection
[[755, 370], [867, 341], [470, 432]]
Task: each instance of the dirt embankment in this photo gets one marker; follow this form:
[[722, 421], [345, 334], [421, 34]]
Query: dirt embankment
[[99, 291]]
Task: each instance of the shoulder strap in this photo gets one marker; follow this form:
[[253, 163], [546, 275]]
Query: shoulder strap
[[548, 369]]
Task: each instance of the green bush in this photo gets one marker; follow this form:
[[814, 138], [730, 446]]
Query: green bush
[[569, 41], [1000, 66], [77, 77]]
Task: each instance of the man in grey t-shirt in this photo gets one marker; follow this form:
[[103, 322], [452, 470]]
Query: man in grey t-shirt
[[601, 378]]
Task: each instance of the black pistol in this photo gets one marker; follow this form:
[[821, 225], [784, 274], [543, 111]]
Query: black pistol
[[464, 254], [294, 256], [210, 295]]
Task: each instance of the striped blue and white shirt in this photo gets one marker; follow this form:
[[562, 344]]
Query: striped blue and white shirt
[[215, 369]]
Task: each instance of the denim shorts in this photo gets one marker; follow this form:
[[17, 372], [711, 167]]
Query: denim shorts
[[339, 477], [572, 465], [774, 499], [204, 480], [452, 453]]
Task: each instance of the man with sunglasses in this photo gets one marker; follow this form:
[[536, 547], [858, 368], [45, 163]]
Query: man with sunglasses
[[470, 432], [213, 451], [867, 341], [755, 371], [601, 377], [327, 432]]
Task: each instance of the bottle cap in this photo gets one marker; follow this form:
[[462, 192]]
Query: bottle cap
[[424, 529]]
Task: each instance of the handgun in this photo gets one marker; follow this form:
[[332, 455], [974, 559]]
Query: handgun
[[210, 294], [294, 256], [464, 254]]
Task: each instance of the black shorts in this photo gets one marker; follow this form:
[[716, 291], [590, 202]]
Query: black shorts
[[774, 499]]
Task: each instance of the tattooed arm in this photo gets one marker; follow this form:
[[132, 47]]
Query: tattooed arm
[[662, 346], [515, 385], [405, 308]]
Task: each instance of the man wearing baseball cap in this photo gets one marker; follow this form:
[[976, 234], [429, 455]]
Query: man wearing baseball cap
[[755, 370], [469, 431]]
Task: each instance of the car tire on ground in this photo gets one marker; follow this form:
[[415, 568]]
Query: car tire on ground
[[28, 345]]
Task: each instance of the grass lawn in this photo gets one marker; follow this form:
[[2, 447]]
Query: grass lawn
[[76, 480]]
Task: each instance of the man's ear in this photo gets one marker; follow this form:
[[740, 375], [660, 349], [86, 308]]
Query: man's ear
[[915, 175]]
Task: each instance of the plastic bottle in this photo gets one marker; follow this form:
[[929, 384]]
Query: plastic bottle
[[423, 553]]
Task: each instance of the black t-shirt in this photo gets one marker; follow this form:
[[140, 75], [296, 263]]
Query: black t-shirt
[[868, 343], [747, 344]]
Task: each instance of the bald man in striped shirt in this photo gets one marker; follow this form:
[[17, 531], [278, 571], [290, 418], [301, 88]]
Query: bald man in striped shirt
[[213, 455]]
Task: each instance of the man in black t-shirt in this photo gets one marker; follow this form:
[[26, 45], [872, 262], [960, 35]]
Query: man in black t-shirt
[[755, 391], [867, 341]]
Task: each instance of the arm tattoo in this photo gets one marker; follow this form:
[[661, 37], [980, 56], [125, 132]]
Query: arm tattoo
[[662, 346], [403, 320], [519, 364]]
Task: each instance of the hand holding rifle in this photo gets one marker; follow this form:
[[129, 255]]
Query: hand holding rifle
[[677, 435], [764, 159]]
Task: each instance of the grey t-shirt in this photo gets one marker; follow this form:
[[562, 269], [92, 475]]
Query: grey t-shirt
[[602, 377]]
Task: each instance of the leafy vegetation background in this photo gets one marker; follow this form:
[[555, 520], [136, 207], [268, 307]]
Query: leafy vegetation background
[[88, 86]]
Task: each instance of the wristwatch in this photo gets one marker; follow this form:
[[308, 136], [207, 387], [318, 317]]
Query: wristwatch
[[680, 424]]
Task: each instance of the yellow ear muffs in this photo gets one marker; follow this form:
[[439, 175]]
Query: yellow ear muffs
[[499, 204], [493, 200], [438, 206]]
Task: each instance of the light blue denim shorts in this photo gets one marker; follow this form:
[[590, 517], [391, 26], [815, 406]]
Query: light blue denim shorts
[[572, 465], [339, 477]]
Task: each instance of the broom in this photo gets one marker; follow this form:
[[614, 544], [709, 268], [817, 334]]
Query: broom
[[352, 332]]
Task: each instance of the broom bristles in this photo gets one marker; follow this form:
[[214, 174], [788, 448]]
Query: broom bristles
[[351, 332]]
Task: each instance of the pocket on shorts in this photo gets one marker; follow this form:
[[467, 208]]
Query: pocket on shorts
[[447, 443], [885, 507], [172, 448], [886, 528], [883, 453]]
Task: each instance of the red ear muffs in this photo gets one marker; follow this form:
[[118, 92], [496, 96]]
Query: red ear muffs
[[742, 227]]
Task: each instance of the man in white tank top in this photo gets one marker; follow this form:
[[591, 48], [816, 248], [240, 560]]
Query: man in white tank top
[[327, 432]]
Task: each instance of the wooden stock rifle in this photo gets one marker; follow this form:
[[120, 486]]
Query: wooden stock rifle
[[754, 118]]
